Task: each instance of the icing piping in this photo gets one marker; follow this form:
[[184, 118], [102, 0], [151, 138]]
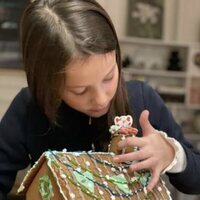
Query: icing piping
[[45, 187], [104, 185], [100, 184]]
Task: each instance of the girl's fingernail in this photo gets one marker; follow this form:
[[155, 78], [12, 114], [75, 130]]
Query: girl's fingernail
[[116, 159]]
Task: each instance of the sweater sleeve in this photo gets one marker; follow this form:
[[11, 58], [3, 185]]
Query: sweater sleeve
[[13, 150], [161, 118]]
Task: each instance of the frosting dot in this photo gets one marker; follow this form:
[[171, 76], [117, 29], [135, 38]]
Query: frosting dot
[[72, 195], [64, 150], [107, 177], [105, 183], [63, 176], [113, 169], [87, 163], [159, 189], [101, 192], [78, 169], [113, 197]]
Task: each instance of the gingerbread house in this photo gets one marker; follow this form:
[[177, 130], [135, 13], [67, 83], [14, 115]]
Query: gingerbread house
[[61, 175]]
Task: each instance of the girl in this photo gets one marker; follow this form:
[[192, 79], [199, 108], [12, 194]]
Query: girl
[[75, 89]]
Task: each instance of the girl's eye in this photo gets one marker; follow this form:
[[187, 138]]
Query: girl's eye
[[79, 93], [109, 78]]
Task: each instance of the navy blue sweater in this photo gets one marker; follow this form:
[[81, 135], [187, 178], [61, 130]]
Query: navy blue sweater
[[25, 134]]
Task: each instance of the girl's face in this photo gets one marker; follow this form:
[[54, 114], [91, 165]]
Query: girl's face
[[91, 83]]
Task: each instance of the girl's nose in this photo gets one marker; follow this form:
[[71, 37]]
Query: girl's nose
[[100, 98]]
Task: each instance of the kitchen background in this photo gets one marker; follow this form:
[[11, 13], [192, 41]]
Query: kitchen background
[[160, 43]]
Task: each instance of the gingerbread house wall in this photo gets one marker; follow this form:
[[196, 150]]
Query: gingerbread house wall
[[33, 190]]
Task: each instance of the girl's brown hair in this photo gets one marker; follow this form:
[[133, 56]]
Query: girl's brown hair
[[53, 32]]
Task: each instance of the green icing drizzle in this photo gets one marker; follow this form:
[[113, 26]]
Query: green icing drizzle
[[45, 187], [143, 177], [85, 180], [121, 182]]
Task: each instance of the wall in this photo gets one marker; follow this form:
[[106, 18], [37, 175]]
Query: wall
[[11, 81], [181, 19], [189, 21]]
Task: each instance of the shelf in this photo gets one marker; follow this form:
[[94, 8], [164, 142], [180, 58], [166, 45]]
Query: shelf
[[160, 73], [162, 89], [193, 106], [193, 136], [147, 60], [176, 105]]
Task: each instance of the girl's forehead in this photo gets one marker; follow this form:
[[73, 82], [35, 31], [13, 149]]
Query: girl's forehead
[[86, 71], [80, 62]]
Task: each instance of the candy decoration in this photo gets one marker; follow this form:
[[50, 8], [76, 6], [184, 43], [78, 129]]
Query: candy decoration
[[119, 131], [45, 188], [85, 180]]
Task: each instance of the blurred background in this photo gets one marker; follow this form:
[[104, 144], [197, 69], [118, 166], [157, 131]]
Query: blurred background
[[160, 43]]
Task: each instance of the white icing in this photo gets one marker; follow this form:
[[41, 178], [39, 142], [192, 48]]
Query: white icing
[[101, 192], [56, 178], [21, 188], [159, 189], [87, 163], [78, 169], [113, 197], [72, 195], [99, 169], [113, 169], [107, 177], [123, 137], [105, 183], [63, 176], [77, 153], [64, 150], [145, 190]]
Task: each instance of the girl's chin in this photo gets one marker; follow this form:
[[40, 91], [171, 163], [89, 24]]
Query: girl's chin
[[97, 114]]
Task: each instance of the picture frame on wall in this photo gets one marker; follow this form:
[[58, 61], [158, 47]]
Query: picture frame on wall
[[145, 18], [10, 14]]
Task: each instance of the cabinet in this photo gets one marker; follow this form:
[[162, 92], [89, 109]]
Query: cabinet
[[177, 82]]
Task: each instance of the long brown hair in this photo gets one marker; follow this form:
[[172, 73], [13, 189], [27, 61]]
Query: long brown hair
[[53, 32]]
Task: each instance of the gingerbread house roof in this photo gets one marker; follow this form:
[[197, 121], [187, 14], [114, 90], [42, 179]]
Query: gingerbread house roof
[[86, 175]]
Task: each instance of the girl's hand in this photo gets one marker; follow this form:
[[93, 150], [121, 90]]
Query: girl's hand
[[155, 153]]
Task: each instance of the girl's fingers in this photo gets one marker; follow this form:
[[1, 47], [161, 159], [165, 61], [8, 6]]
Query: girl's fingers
[[145, 124], [133, 156], [131, 142], [142, 165], [154, 180]]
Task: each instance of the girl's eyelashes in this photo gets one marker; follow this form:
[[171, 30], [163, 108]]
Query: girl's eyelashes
[[109, 78], [79, 92]]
